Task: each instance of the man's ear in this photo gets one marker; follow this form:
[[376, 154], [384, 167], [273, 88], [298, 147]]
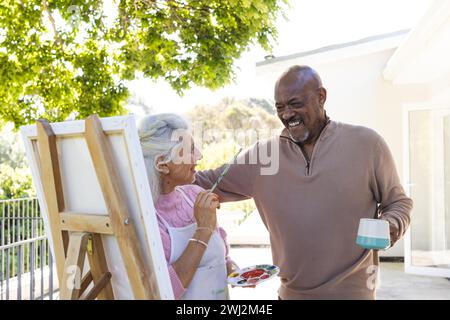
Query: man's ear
[[161, 165], [322, 96]]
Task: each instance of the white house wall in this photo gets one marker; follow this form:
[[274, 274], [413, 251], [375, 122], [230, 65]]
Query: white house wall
[[423, 55]]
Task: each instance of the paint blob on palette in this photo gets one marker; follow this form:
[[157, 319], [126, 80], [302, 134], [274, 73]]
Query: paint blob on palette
[[253, 275]]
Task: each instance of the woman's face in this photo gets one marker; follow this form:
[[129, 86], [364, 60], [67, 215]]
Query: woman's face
[[183, 163]]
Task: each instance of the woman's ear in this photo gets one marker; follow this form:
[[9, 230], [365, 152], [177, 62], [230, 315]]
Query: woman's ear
[[161, 165]]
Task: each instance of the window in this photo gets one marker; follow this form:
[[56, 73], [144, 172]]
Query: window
[[428, 160]]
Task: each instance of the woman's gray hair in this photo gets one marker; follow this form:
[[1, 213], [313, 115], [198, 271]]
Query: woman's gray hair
[[157, 135]]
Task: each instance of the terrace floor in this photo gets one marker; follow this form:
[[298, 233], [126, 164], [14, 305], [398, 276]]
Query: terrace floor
[[394, 283]]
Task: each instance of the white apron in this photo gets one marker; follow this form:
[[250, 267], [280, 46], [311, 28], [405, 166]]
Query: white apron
[[210, 279]]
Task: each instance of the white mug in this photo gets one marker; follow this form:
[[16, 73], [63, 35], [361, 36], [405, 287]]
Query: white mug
[[373, 234]]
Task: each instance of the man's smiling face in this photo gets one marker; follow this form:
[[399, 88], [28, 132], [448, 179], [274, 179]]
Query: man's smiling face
[[299, 99]]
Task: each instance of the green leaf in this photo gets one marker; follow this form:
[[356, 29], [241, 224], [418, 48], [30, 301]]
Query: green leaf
[[60, 58]]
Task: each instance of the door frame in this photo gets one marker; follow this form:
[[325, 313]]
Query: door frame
[[409, 268]]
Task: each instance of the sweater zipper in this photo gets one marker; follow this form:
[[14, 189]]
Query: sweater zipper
[[307, 167], [305, 157], [319, 139], [307, 160]]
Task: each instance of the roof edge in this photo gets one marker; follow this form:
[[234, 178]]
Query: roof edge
[[334, 47]]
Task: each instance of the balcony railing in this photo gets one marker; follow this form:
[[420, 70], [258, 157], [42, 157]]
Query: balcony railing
[[27, 271]]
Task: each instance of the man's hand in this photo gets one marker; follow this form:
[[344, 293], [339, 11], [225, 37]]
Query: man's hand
[[394, 230]]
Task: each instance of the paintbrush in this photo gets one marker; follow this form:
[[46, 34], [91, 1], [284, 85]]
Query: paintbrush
[[225, 170]]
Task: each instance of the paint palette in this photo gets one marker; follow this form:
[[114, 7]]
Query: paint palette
[[251, 276]]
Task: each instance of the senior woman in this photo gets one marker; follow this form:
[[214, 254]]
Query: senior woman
[[195, 247]]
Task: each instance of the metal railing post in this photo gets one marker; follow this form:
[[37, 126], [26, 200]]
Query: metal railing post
[[24, 249]]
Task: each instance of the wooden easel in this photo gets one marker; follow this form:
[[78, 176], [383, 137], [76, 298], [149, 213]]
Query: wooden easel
[[75, 233]]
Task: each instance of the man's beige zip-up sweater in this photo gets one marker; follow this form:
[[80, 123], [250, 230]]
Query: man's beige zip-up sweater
[[312, 209]]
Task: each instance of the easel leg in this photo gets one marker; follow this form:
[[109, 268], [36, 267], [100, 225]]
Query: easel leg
[[99, 267], [73, 267], [99, 287]]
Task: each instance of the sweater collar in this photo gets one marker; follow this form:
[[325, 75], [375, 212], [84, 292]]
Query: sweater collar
[[327, 131]]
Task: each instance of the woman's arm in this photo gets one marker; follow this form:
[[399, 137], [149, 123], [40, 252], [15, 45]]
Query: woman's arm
[[188, 262], [177, 286], [205, 215]]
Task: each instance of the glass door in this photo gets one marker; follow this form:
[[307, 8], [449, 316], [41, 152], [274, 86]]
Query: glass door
[[427, 153]]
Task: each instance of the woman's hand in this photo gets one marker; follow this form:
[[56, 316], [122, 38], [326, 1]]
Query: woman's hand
[[232, 267], [205, 209], [205, 214]]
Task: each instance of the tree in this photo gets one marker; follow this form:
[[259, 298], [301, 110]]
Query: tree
[[15, 182], [15, 176], [12, 152], [235, 116], [61, 59]]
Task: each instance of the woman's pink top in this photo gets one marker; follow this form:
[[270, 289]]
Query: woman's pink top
[[175, 210]]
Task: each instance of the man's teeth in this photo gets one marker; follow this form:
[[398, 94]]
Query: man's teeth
[[294, 123]]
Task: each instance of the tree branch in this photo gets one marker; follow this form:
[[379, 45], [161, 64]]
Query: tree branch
[[58, 40]]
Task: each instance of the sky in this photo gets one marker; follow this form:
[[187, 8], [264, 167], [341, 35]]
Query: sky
[[310, 24]]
